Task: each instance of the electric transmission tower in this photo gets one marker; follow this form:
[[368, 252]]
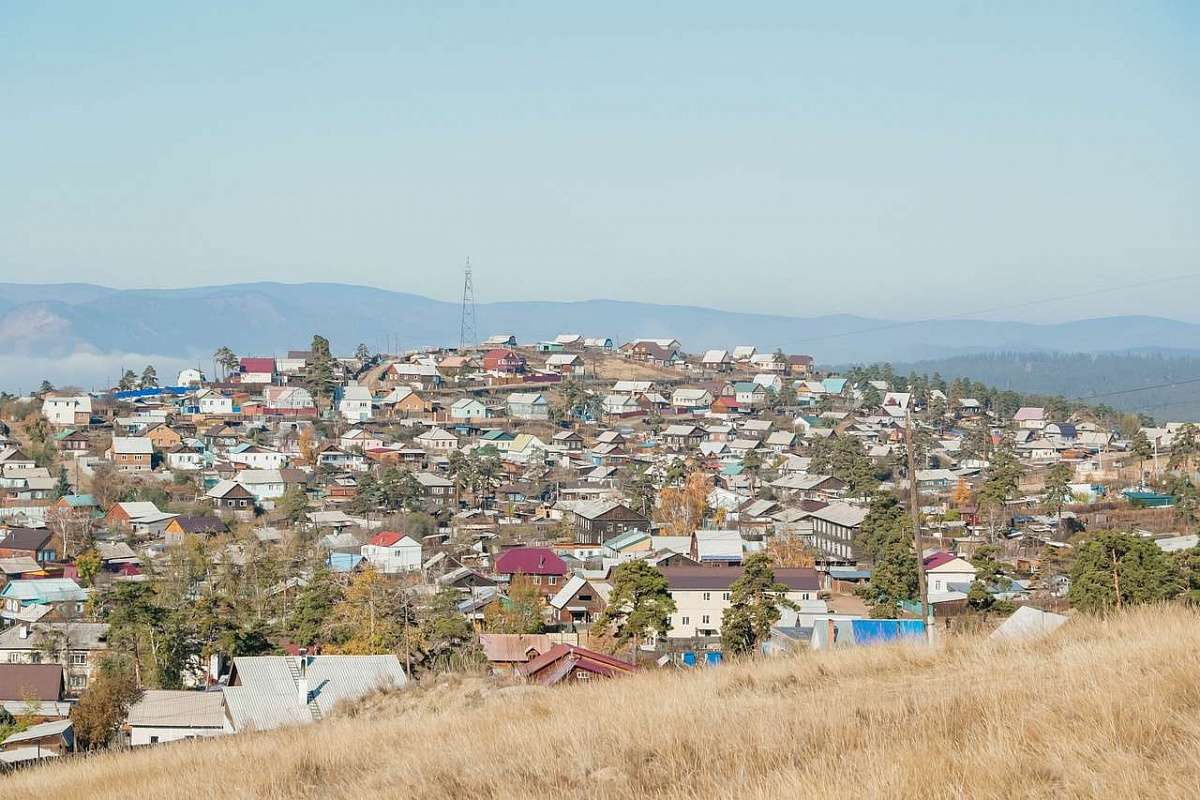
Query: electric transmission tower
[[468, 334]]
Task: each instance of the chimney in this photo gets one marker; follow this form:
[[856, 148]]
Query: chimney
[[23, 631], [302, 681]]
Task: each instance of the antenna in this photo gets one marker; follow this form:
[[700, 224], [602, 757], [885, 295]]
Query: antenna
[[468, 335]]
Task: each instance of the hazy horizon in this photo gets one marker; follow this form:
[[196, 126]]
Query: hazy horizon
[[902, 163]]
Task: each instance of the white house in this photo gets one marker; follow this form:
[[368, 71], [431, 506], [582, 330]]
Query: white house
[[67, 411], [213, 402], [185, 459], [943, 570], [702, 594], [620, 405], [264, 484], [391, 552], [436, 439], [467, 408], [355, 404], [357, 437], [528, 405], [254, 456], [163, 715], [691, 399], [189, 376]]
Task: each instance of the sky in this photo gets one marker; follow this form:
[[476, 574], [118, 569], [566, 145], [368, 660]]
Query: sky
[[893, 160]]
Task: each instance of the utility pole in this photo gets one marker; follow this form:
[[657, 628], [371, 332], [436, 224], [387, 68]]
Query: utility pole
[[914, 509]]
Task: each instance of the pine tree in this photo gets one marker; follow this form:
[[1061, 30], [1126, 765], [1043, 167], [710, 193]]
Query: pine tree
[[149, 377], [640, 604], [1113, 570], [755, 600]]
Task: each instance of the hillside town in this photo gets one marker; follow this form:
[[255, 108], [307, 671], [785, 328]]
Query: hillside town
[[264, 540]]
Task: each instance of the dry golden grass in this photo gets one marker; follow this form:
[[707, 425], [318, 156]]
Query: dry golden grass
[[1100, 709]]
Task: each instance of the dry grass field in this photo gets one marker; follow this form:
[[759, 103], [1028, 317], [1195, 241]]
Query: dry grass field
[[1100, 709]]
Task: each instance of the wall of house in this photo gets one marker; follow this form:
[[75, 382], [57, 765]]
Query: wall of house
[[142, 735]]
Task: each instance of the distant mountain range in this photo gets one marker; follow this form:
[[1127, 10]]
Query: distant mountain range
[[60, 319]]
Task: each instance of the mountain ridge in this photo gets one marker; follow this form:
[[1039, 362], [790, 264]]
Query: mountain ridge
[[270, 316]]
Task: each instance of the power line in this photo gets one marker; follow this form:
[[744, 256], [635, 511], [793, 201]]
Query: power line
[[1168, 385]]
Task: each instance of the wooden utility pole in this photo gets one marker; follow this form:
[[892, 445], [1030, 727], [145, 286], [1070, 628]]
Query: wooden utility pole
[[914, 508]]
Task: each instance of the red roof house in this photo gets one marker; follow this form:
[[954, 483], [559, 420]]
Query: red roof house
[[503, 360], [539, 564], [569, 663]]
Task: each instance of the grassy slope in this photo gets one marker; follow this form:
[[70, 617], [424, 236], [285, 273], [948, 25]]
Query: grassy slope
[[1097, 710]]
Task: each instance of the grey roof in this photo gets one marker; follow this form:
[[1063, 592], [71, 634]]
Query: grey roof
[[178, 709], [267, 694], [38, 731], [80, 635]]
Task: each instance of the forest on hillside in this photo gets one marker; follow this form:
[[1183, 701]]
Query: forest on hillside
[[1164, 387]]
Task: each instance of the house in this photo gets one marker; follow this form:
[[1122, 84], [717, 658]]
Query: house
[[943, 570], [568, 440], [702, 594], [267, 485], [392, 552], [628, 544], [197, 525], [267, 692], [67, 411], [402, 401], [597, 343], [717, 361], [79, 647], [568, 663], [163, 436], [468, 409], [25, 683], [419, 375], [528, 406], [355, 403], [291, 398], [564, 363], [72, 442], [184, 459], [36, 599], [127, 514], [744, 352], [504, 361], [1030, 418], [835, 528], [720, 548], [165, 715], [683, 437], [500, 340], [362, 439], [257, 370], [621, 405], [746, 394], [597, 520], [437, 439], [44, 740], [435, 490], [539, 564], [131, 453], [256, 457], [231, 496], [691, 400], [211, 402], [800, 365], [35, 543], [773, 363], [506, 652]]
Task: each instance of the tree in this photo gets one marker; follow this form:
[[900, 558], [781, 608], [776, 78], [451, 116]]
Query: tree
[[87, 565], [894, 577], [962, 494], [46, 387], [128, 381], [882, 525], [1114, 569], [844, 459], [225, 360], [1057, 489], [1003, 478], [319, 375], [62, 487], [294, 504], [987, 574], [682, 508], [642, 491], [639, 605], [520, 612], [149, 377], [752, 464], [362, 353], [755, 600], [789, 552], [1187, 565], [310, 614], [871, 397], [1141, 448], [373, 617], [1185, 445], [449, 640], [104, 705]]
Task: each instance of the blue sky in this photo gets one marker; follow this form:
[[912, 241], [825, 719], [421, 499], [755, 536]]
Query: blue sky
[[777, 157]]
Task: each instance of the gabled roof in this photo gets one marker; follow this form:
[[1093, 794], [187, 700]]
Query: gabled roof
[[251, 364], [391, 539], [530, 561]]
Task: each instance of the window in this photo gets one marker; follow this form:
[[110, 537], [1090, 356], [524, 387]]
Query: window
[[704, 620], [35, 657], [725, 596], [78, 681], [707, 595], [78, 659], [552, 580], [685, 620], [14, 658]]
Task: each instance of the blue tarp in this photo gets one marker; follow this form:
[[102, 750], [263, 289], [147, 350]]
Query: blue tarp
[[689, 658], [869, 631], [712, 659], [153, 391]]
